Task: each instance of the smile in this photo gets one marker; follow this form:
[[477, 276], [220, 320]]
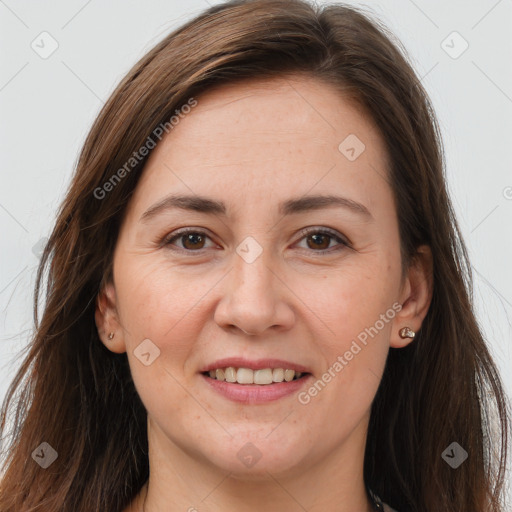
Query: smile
[[263, 376]]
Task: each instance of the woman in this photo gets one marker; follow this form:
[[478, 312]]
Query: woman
[[258, 297]]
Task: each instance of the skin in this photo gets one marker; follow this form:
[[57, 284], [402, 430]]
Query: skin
[[253, 145]]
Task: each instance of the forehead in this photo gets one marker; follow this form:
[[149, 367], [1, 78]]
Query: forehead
[[256, 138], [296, 109]]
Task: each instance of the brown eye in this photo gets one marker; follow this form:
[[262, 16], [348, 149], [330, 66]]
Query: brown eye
[[319, 240], [188, 240], [193, 241]]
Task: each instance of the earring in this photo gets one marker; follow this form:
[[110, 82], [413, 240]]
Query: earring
[[111, 335], [406, 332]]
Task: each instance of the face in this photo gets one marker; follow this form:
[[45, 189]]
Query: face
[[267, 271]]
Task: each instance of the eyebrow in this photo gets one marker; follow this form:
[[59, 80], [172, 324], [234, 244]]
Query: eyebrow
[[210, 206]]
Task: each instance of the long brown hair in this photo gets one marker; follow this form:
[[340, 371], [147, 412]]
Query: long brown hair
[[77, 396]]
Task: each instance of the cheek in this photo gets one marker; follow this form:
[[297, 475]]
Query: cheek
[[151, 295], [356, 313], [352, 298], [359, 314], [159, 302]]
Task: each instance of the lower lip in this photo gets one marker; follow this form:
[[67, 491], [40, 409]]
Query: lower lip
[[256, 393]]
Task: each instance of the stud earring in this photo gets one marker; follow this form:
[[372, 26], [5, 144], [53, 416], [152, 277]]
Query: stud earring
[[406, 332], [111, 335]]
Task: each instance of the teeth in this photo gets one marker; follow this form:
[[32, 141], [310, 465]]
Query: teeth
[[263, 376], [288, 375], [278, 375], [244, 376], [230, 374], [248, 376]]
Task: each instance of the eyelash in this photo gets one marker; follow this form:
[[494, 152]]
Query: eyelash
[[167, 241]]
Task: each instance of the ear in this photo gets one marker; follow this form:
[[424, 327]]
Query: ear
[[415, 296], [107, 320]]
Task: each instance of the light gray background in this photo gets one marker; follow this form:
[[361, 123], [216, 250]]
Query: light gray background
[[47, 107]]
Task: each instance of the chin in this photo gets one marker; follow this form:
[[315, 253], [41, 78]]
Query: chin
[[254, 459]]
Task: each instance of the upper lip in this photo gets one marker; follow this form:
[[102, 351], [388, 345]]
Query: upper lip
[[254, 364]]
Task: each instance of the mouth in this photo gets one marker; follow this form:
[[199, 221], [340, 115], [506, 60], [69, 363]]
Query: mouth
[[251, 387], [261, 377]]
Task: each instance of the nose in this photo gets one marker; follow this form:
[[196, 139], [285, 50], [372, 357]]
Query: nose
[[255, 298]]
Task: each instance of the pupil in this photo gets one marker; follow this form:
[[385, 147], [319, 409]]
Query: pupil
[[191, 237], [320, 236]]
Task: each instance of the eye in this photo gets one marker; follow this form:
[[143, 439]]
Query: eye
[[317, 238], [192, 239]]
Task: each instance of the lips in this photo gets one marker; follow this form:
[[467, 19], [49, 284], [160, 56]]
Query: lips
[[254, 364], [253, 394]]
